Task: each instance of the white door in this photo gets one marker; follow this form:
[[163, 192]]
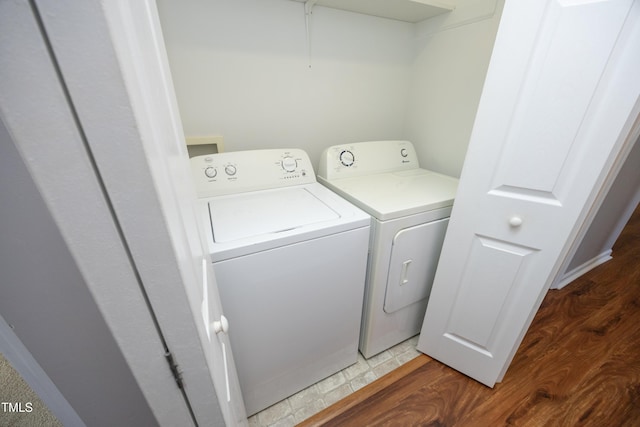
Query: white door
[[112, 60], [561, 87]]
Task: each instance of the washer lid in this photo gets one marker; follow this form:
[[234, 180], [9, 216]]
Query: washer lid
[[271, 211], [396, 194]]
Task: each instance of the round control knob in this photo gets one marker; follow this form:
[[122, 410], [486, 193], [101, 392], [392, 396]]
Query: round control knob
[[403, 152], [210, 172], [221, 325], [289, 164], [347, 158], [230, 170]]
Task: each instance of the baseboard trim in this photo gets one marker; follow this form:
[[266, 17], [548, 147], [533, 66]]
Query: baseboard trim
[[572, 275]]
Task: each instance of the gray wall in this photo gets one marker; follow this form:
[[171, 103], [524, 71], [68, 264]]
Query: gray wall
[[619, 204], [45, 299]]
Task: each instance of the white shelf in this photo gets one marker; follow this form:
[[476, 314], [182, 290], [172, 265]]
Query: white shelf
[[401, 10]]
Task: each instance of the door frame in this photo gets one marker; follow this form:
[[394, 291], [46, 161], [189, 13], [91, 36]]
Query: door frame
[[151, 318], [39, 116], [632, 138]]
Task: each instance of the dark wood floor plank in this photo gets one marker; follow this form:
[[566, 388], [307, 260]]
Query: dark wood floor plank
[[578, 365], [355, 399]]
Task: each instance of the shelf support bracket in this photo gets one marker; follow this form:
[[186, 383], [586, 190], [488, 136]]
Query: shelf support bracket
[[308, 11]]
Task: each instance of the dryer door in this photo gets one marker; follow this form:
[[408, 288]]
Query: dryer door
[[414, 258]]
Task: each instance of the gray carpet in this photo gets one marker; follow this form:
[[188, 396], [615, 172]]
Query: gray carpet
[[17, 398]]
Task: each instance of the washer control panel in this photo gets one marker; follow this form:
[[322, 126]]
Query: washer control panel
[[242, 171], [364, 158]]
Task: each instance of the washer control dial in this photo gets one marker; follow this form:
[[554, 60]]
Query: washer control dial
[[230, 170], [403, 152], [347, 158], [289, 164], [210, 172]]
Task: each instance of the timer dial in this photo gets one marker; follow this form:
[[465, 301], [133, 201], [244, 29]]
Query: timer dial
[[289, 164], [347, 158], [230, 170]]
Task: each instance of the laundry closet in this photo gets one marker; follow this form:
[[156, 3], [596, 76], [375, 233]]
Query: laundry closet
[[284, 73], [281, 73], [263, 74]]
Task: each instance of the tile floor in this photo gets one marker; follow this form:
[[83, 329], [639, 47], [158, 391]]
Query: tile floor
[[312, 400]]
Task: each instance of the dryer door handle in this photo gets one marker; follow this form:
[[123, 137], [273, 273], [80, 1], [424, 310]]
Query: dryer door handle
[[405, 272]]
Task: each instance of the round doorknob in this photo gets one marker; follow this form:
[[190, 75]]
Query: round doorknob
[[221, 325], [515, 221]]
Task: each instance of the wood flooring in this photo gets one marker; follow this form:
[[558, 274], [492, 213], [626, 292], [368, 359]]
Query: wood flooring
[[578, 365]]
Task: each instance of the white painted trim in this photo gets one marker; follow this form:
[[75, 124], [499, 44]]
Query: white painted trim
[[572, 275], [23, 362]]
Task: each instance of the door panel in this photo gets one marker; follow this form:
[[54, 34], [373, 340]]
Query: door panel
[[414, 258], [560, 88], [497, 266], [553, 100]]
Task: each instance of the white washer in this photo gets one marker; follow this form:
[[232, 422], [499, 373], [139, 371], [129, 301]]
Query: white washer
[[410, 208], [290, 261]]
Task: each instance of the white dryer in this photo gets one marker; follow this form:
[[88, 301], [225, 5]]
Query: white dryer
[[410, 208], [290, 261]]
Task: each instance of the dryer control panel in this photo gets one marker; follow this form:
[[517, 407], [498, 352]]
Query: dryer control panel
[[365, 158], [243, 171]]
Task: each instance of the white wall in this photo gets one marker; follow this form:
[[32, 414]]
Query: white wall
[[451, 57], [241, 70]]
